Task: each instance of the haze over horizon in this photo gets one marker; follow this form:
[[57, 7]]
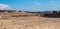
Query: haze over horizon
[[30, 5]]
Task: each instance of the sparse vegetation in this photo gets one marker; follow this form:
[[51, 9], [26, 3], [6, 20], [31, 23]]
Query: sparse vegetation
[[29, 21], [51, 14]]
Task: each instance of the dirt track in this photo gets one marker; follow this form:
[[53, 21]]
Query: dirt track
[[30, 23]]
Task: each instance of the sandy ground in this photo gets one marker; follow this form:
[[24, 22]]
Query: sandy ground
[[32, 22]]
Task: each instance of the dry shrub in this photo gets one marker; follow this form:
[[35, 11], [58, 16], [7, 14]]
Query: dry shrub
[[15, 16], [2, 28], [25, 15], [4, 17], [19, 15]]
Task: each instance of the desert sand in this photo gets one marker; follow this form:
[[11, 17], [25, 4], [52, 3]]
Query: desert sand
[[30, 22]]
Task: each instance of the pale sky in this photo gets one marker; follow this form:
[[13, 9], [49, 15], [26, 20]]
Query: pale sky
[[30, 5]]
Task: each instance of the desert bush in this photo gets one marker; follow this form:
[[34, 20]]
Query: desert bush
[[4, 17], [19, 15], [25, 15], [2, 28]]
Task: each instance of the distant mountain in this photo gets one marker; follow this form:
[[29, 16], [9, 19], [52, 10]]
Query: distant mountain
[[10, 11], [38, 12], [32, 12]]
